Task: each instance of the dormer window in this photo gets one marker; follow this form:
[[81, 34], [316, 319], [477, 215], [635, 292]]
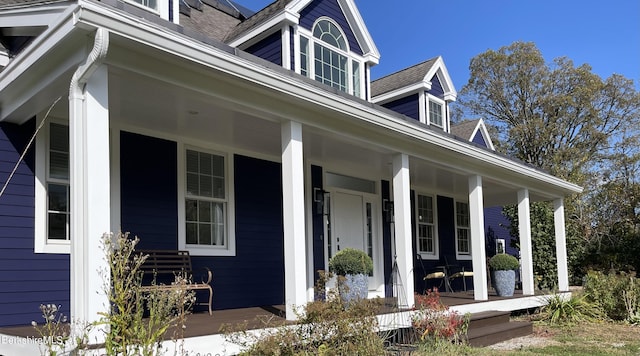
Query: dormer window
[[435, 113], [325, 56]]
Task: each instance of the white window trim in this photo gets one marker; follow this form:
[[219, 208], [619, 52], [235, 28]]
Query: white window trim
[[501, 242], [41, 243], [230, 248], [443, 111], [311, 70], [436, 245], [460, 256]]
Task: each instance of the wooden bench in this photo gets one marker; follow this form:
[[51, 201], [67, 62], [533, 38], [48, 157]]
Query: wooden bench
[[163, 265]]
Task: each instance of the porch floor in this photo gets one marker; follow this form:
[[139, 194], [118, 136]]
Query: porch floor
[[201, 323]]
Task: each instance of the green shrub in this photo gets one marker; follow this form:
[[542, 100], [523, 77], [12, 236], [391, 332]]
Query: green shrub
[[503, 262], [617, 294], [350, 261], [559, 309], [129, 331], [324, 328]]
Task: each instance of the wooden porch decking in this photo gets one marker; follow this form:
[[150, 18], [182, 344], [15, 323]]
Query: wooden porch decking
[[201, 323]]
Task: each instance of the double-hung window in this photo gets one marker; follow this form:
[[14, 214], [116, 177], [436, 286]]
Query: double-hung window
[[58, 195], [206, 204], [463, 230], [325, 56], [426, 227], [52, 190], [436, 113]]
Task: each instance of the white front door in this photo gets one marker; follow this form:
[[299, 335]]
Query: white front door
[[348, 221], [353, 225]]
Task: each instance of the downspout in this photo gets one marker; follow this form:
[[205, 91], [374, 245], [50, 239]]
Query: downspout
[[80, 275]]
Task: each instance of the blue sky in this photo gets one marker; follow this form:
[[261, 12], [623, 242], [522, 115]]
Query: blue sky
[[603, 34]]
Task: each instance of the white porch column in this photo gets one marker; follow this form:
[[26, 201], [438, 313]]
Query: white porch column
[[478, 252], [526, 254], [294, 219], [90, 195], [402, 226], [561, 244]]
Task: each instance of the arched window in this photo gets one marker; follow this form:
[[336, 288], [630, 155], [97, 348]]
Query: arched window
[[324, 56], [328, 32], [331, 66]]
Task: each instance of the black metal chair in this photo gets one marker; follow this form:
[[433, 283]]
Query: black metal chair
[[439, 274], [456, 271]]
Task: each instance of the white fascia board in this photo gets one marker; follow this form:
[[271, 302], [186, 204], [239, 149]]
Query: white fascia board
[[40, 45], [371, 53], [12, 100], [394, 127], [445, 79], [362, 34], [398, 93], [276, 21], [31, 16]]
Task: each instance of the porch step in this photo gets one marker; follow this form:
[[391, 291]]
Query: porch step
[[491, 327]]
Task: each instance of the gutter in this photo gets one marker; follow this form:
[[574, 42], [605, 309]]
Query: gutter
[[94, 60], [81, 276], [229, 60]]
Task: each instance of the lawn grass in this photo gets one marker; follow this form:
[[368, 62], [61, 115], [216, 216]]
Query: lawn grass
[[603, 338]]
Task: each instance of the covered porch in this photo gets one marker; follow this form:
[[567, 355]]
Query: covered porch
[[205, 333], [141, 103]]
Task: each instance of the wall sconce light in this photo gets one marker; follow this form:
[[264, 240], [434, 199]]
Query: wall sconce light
[[387, 209], [318, 199]]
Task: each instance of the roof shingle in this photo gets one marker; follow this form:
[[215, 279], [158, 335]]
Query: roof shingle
[[404, 78]]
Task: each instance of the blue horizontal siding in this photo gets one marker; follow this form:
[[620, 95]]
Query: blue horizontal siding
[[255, 276], [447, 248], [436, 88], [269, 48], [149, 211], [149, 193], [479, 139], [27, 279], [407, 106], [497, 227], [331, 9]]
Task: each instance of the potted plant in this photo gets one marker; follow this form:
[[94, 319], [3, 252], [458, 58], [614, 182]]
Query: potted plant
[[353, 268], [503, 274]]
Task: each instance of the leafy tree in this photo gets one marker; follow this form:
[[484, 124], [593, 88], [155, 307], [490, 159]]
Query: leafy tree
[[572, 123], [556, 117]]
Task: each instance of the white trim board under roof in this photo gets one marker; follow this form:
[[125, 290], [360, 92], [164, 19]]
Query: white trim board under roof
[[411, 80], [288, 11], [306, 101]]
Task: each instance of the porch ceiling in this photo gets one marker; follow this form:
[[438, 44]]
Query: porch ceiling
[[155, 92], [145, 104]]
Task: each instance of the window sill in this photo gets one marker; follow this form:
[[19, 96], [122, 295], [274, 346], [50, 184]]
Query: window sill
[[464, 257], [62, 247], [429, 256], [195, 250]]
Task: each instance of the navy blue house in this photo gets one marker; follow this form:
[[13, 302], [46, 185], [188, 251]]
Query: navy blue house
[[256, 141]]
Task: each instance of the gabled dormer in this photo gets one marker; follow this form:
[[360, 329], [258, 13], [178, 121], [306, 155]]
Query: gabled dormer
[[422, 92], [473, 131], [322, 39]]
